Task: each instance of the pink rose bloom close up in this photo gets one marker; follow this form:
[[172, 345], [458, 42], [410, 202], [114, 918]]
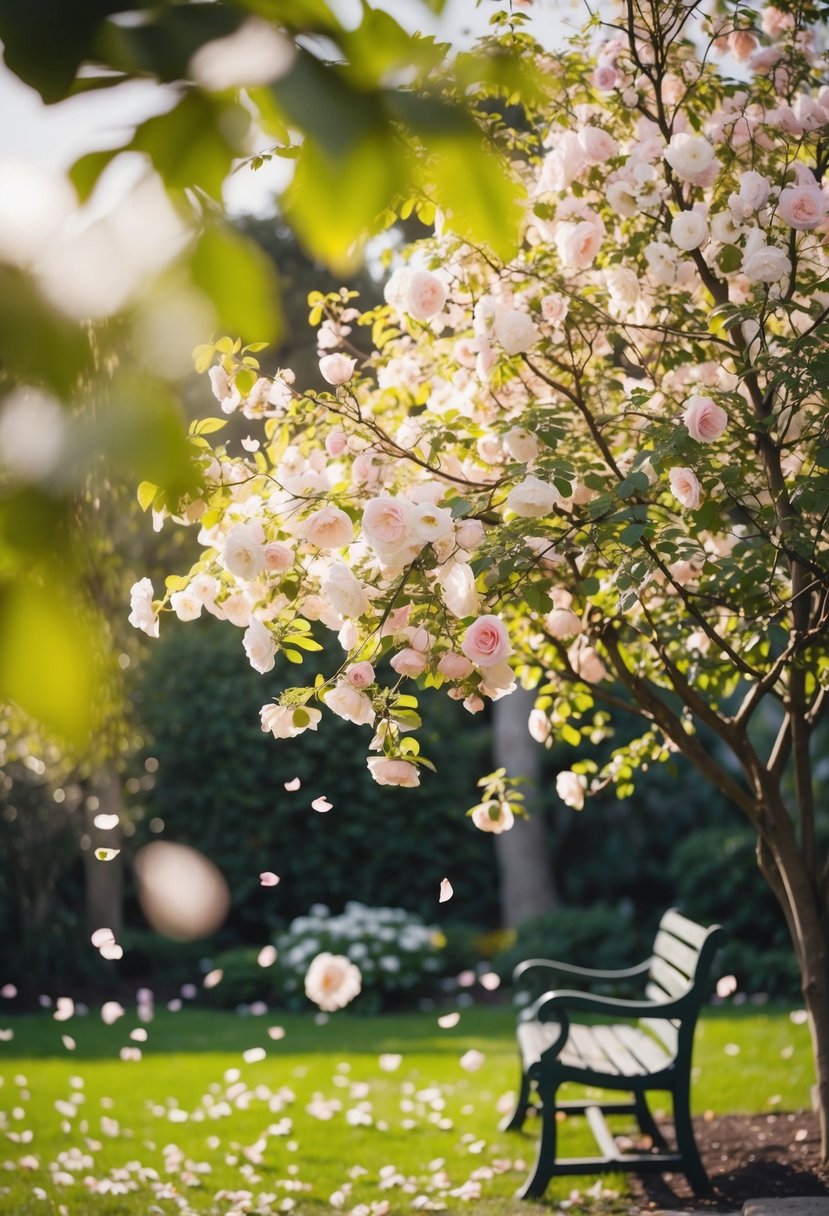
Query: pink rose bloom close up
[[486, 641], [332, 981], [802, 207], [408, 662], [685, 487], [570, 788], [493, 817], [337, 369], [360, 674], [387, 771], [704, 419], [329, 528], [424, 295]]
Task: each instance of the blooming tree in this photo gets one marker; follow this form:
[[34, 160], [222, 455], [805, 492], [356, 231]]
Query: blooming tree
[[599, 469]]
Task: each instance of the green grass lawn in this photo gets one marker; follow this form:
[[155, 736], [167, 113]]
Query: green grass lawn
[[193, 1127]]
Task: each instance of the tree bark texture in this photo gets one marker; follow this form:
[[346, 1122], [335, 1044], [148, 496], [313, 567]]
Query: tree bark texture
[[527, 887]]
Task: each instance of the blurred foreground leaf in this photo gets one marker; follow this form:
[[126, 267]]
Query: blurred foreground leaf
[[240, 281], [49, 662]]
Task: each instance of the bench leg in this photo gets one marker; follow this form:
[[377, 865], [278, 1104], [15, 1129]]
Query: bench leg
[[646, 1121], [692, 1165], [515, 1121], [545, 1163]]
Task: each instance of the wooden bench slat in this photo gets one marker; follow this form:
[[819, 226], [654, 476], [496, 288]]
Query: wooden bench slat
[[665, 1030], [615, 1049], [687, 930], [683, 957], [583, 1050], [673, 982], [653, 1057]]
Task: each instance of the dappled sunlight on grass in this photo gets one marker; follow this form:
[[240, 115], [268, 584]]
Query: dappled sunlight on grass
[[365, 1115]]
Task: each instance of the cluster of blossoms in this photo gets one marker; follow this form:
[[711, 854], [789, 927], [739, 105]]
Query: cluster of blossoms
[[521, 466], [386, 951]]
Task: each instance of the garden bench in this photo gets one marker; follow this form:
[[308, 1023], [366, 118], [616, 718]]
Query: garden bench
[[645, 1046]]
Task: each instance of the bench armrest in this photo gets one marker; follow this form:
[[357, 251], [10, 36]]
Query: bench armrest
[[552, 1005], [585, 973]]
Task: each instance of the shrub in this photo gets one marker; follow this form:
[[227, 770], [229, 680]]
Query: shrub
[[398, 955]]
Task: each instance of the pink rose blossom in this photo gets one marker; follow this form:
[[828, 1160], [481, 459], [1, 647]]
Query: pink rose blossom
[[335, 443], [539, 725], [328, 528], [578, 244], [704, 419], [742, 44], [586, 662], [493, 817], [454, 666], [424, 295], [570, 788], [775, 22], [360, 674], [387, 771], [802, 207], [685, 487], [332, 981], [387, 523], [486, 641], [605, 77], [561, 623], [337, 369], [473, 704], [349, 703], [408, 662], [278, 557]]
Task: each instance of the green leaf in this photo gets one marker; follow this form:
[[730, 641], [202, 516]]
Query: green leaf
[[302, 641], [50, 664], [240, 281], [293, 656], [569, 734], [203, 357], [146, 494], [195, 143], [477, 191], [208, 426], [244, 380]]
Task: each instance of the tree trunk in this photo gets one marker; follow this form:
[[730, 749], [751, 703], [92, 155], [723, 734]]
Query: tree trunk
[[104, 880], [785, 871], [526, 880]]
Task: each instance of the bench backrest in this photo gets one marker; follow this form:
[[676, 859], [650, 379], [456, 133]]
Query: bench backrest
[[683, 953]]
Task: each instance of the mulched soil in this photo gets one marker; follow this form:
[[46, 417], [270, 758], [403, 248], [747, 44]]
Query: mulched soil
[[747, 1157]]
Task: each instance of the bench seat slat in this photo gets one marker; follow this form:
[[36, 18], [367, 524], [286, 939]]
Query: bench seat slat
[[686, 930], [651, 1055], [673, 982], [674, 951]]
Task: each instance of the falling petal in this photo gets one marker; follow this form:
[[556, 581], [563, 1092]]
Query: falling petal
[[290, 786], [266, 956], [65, 1008], [213, 978], [472, 1060], [139, 1035], [111, 950], [254, 1054], [111, 1011], [490, 981], [250, 444], [68, 1042], [448, 1020], [322, 804], [268, 879], [6, 1036], [106, 822], [726, 985], [8, 991], [446, 891], [107, 854], [102, 937], [390, 1061], [276, 1032]]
